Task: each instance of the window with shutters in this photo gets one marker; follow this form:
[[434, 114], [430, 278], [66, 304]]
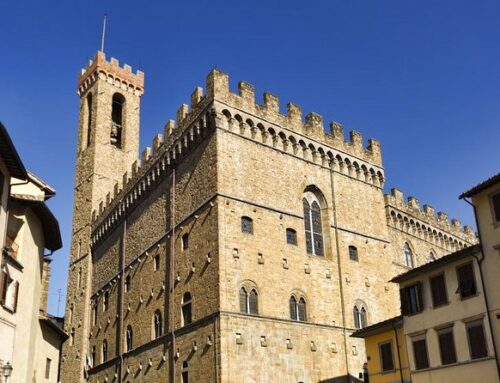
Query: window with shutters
[[386, 356], [104, 354], [477, 340], [495, 206], [412, 299], [128, 339], [246, 225], [447, 346], [353, 253], [9, 292], [312, 224], [360, 315], [105, 301], [408, 255], [438, 290], [420, 354], [291, 236], [186, 309], [185, 241], [157, 325], [298, 308], [185, 372], [466, 281]]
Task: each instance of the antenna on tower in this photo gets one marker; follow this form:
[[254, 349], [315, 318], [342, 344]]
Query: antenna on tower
[[103, 32]]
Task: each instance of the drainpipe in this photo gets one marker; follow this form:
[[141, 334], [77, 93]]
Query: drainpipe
[[172, 279], [342, 303], [480, 263], [399, 354]]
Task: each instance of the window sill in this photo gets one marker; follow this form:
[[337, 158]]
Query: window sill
[[9, 309], [469, 297], [434, 307]]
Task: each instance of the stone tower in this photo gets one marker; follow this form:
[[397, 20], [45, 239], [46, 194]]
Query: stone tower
[[108, 144]]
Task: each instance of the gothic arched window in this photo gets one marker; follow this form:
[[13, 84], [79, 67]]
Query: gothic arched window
[[117, 110], [312, 223], [298, 310], [187, 315], [360, 315], [249, 302], [408, 255]]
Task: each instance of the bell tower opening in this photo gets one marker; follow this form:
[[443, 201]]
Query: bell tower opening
[[117, 112]]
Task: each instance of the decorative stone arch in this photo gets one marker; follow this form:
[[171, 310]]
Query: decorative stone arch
[[298, 305], [360, 314], [408, 253]]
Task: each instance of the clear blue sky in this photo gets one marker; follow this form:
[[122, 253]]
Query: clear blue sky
[[422, 77]]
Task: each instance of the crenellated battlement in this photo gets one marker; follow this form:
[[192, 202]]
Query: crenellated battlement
[[311, 126], [113, 73], [423, 221]]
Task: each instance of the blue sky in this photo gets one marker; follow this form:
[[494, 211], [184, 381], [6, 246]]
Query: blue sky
[[422, 77]]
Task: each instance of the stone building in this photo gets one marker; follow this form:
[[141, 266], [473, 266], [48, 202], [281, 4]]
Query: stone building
[[30, 338], [245, 245]]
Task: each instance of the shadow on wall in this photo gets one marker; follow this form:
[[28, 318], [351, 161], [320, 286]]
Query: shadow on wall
[[344, 379]]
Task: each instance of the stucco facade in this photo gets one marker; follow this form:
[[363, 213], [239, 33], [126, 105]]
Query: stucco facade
[[216, 205]]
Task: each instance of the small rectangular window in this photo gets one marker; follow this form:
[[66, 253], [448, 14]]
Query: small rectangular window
[[48, 362], [156, 262], [411, 299], [291, 236], [386, 356], [185, 242], [447, 346], [495, 202], [477, 340], [466, 282], [420, 354], [353, 253], [438, 290], [247, 225]]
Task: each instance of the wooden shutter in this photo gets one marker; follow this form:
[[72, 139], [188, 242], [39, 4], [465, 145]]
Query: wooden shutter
[[403, 295], [420, 298], [466, 282], [253, 301], [447, 347], [477, 341], [438, 289], [302, 310], [386, 356], [420, 354], [243, 301], [15, 295], [4, 287], [307, 225]]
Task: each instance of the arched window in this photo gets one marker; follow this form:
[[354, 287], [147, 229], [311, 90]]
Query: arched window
[[249, 302], [117, 119], [185, 372], [408, 255], [72, 337], [104, 355], [247, 225], [312, 223], [353, 253], [298, 309], [94, 313], [105, 301], [79, 281], [157, 325], [186, 309], [291, 236], [156, 262], [185, 241], [359, 314], [127, 283], [89, 119], [128, 339]]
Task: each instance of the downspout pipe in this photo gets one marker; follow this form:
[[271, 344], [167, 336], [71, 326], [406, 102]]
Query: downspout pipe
[[341, 286], [399, 354], [480, 263]]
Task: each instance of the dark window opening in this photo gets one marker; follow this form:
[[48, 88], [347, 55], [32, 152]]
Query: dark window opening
[[447, 347], [128, 281], [247, 225], [104, 351], [89, 119], [105, 301], [291, 236], [386, 356], [466, 281], [187, 317], [157, 325], [411, 299], [495, 200], [420, 354], [185, 242], [117, 120], [185, 372], [298, 309], [156, 262], [128, 340], [438, 290], [477, 340], [353, 253]]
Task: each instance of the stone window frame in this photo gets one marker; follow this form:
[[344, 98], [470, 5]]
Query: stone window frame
[[187, 309], [353, 253], [157, 325], [248, 287], [360, 314], [129, 339], [408, 251], [185, 242], [298, 298], [291, 236], [246, 224]]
